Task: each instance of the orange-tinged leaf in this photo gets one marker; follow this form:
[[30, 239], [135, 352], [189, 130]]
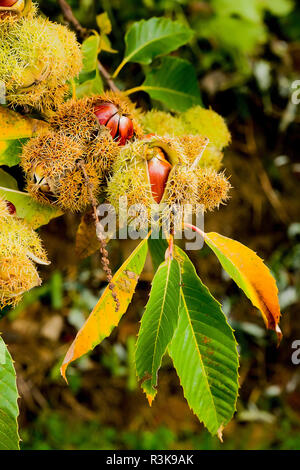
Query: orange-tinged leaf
[[104, 316], [250, 274], [15, 126]]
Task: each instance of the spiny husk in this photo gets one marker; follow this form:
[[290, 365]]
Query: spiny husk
[[20, 247], [212, 188], [16, 235], [195, 145], [130, 176], [17, 275], [197, 122], [185, 185], [37, 58], [54, 161], [162, 123], [208, 123], [125, 106], [76, 118], [8, 15]]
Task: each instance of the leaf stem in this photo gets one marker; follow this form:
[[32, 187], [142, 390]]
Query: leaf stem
[[119, 68], [100, 236], [133, 90], [107, 77], [195, 229]]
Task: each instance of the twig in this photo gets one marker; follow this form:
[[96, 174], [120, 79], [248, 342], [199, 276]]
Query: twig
[[107, 77], [101, 238], [71, 19]]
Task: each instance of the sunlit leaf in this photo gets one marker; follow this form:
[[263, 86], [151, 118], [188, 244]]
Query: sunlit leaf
[[204, 352], [104, 23], [15, 126], [158, 324], [9, 437], [27, 208], [250, 274], [10, 151], [104, 317], [148, 39], [174, 83], [90, 50]]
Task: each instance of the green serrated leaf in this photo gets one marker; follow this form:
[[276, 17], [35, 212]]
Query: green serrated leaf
[[174, 83], [204, 352], [157, 249], [147, 39], [27, 208], [158, 324], [9, 411]]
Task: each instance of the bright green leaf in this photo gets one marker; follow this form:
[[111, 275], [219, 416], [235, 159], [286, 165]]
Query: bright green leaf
[[204, 352], [157, 249], [9, 438], [148, 39], [27, 208], [174, 83], [158, 324], [90, 50]]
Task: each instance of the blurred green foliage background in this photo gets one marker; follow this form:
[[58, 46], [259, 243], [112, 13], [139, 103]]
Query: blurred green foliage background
[[247, 55]]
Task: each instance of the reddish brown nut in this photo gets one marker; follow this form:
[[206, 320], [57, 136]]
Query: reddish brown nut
[[121, 127], [158, 169], [11, 208], [7, 3]]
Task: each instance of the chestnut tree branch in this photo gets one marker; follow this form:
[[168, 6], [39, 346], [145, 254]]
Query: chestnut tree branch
[[72, 20]]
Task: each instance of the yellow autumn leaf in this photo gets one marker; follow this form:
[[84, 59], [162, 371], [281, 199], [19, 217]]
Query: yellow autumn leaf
[[15, 126], [104, 316], [250, 274]]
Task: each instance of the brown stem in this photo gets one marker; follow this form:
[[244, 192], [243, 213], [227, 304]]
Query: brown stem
[[99, 227], [71, 19], [107, 77]]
